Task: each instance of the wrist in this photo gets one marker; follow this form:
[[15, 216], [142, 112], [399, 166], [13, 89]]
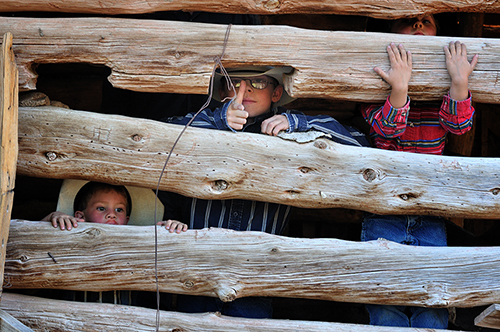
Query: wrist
[[459, 90], [398, 99]]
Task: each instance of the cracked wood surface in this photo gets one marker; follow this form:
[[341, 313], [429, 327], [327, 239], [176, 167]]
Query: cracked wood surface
[[53, 315], [489, 318], [373, 8], [8, 139], [199, 262], [211, 164], [179, 56]]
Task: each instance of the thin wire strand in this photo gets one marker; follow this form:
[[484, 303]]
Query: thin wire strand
[[218, 63]]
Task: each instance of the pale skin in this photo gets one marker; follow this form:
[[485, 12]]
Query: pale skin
[[398, 76], [105, 207], [250, 103]]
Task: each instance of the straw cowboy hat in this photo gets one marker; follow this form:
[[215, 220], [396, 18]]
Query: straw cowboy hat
[[253, 71]]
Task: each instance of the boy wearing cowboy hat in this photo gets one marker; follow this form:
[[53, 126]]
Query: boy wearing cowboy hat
[[254, 105]]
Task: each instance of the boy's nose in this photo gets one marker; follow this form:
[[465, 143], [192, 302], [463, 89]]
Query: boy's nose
[[418, 25], [248, 86], [111, 215]]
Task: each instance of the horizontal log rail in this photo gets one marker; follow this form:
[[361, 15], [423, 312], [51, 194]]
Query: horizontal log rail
[[179, 56], [53, 315], [373, 8], [211, 164], [100, 257], [489, 318]]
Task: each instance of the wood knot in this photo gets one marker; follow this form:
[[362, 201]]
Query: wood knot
[[305, 169], [188, 284], [369, 174], [272, 4], [93, 232], [495, 191], [220, 185], [137, 138], [51, 156], [320, 145], [408, 196]]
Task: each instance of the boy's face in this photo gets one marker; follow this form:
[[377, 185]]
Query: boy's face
[[256, 101], [106, 207], [420, 25]]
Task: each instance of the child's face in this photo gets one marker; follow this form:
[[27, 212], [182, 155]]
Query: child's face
[[256, 101], [421, 25], [106, 207]]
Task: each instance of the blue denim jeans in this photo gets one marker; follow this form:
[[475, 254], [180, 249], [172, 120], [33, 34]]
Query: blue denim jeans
[[248, 307], [410, 230]]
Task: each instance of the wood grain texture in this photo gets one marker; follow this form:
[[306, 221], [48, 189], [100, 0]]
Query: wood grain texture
[[53, 315], [8, 139], [373, 8], [10, 324], [179, 56], [212, 164], [229, 264], [489, 318]]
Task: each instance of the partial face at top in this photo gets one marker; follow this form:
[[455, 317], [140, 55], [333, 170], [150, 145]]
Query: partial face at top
[[106, 207], [420, 25], [256, 100]]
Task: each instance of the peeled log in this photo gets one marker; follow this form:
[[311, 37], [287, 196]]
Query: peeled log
[[199, 262], [53, 315], [179, 56], [211, 164], [373, 8]]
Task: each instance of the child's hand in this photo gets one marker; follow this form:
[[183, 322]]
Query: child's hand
[[174, 226], [236, 114], [398, 75], [63, 220], [274, 125], [459, 69]]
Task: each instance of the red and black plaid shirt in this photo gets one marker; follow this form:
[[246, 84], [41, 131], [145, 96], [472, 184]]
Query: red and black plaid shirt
[[422, 129]]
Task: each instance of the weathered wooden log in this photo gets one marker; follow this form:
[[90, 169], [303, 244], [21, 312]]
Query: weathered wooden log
[[373, 8], [489, 318], [53, 315], [10, 324], [99, 258], [211, 164], [179, 56], [8, 139]]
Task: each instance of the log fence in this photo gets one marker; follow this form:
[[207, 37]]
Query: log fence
[[57, 143]]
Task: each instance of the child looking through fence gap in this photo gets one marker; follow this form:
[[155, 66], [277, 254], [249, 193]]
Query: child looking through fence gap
[[103, 203], [402, 125], [256, 107]]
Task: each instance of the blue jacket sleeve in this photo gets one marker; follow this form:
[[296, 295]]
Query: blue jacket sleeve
[[339, 133], [216, 119]]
